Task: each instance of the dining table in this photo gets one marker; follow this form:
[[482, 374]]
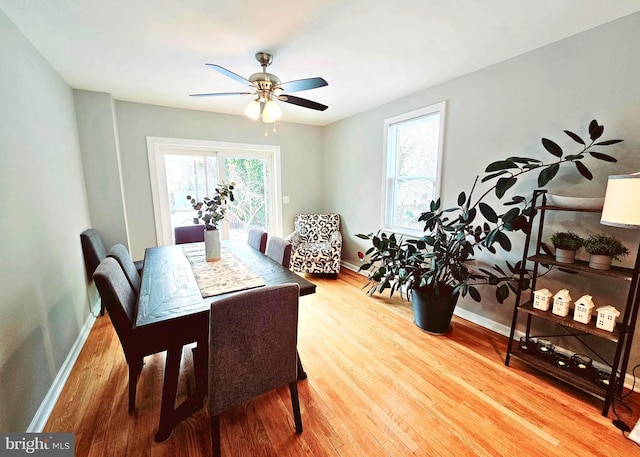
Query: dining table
[[177, 289]]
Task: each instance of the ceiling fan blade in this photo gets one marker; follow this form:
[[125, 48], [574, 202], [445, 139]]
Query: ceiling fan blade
[[217, 94], [303, 84], [302, 102], [229, 73]]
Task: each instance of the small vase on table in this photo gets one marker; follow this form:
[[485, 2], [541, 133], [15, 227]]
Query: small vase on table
[[212, 245]]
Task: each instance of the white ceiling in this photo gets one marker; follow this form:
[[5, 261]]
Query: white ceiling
[[370, 51]]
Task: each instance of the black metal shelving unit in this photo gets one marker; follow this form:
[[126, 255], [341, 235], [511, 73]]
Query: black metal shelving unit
[[621, 337]]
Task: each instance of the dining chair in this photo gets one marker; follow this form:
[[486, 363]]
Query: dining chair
[[120, 301], [189, 234], [93, 250], [252, 350], [121, 254], [279, 250], [257, 239]]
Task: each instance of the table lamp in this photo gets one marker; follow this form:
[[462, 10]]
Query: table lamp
[[622, 201], [622, 209]]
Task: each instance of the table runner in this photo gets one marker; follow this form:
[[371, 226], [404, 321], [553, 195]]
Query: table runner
[[229, 274]]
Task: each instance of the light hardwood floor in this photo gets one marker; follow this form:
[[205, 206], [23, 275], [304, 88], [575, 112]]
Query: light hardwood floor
[[377, 386]]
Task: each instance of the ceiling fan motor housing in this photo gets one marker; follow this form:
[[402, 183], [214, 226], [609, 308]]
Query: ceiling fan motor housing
[[264, 80], [267, 86]]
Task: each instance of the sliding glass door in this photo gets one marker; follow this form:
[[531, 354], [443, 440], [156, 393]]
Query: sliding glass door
[[189, 169]]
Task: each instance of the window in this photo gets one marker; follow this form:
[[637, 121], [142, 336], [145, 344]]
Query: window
[[183, 167], [413, 162]]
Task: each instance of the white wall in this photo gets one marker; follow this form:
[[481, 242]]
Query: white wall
[[301, 148], [43, 303], [497, 112]]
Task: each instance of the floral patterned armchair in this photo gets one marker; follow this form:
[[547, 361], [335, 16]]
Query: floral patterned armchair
[[317, 244]]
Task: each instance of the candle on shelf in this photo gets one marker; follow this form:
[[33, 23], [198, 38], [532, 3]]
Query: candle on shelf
[[527, 344], [561, 360], [545, 348], [602, 378], [581, 364]]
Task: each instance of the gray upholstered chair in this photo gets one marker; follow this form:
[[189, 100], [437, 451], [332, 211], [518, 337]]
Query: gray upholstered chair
[[257, 239], [252, 350], [189, 234], [120, 300], [94, 252], [121, 254], [317, 244], [279, 250]]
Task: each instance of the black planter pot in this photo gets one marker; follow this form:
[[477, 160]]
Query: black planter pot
[[433, 313]]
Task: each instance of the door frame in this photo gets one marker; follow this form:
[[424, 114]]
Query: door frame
[[157, 147]]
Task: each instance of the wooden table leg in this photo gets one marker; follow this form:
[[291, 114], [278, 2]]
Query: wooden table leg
[[200, 367], [302, 375], [170, 416], [169, 390]]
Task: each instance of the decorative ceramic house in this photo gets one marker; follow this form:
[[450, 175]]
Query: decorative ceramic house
[[561, 303], [607, 318], [542, 299], [583, 307]]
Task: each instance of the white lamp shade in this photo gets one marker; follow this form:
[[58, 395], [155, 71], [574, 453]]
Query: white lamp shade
[[622, 201], [253, 109], [271, 112]]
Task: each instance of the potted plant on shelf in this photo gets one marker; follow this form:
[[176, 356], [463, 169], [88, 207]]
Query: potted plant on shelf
[[603, 249], [566, 244], [211, 211], [435, 270]]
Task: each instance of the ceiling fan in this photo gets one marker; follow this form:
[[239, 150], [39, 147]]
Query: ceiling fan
[[266, 87]]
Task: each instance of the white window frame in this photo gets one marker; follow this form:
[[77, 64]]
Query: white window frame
[[158, 147], [388, 173]]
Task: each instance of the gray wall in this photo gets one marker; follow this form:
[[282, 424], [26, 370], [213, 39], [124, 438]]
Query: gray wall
[[44, 290], [497, 112], [301, 148], [95, 113]]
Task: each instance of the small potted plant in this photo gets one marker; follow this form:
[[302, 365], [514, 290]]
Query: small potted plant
[[603, 249], [211, 211], [566, 244]]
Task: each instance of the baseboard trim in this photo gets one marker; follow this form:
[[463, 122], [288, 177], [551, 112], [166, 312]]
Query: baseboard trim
[[482, 321], [44, 411]]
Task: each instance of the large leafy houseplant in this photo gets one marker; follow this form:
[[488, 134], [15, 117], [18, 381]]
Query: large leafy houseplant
[[439, 261]]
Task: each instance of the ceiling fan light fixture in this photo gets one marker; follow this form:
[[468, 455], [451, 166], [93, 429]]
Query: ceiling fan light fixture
[[271, 112], [265, 88], [253, 109]]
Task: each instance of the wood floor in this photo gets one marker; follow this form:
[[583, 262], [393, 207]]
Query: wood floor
[[377, 386]]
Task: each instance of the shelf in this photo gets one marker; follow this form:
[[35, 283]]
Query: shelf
[[621, 337], [569, 322], [579, 382], [562, 208], [583, 267]]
